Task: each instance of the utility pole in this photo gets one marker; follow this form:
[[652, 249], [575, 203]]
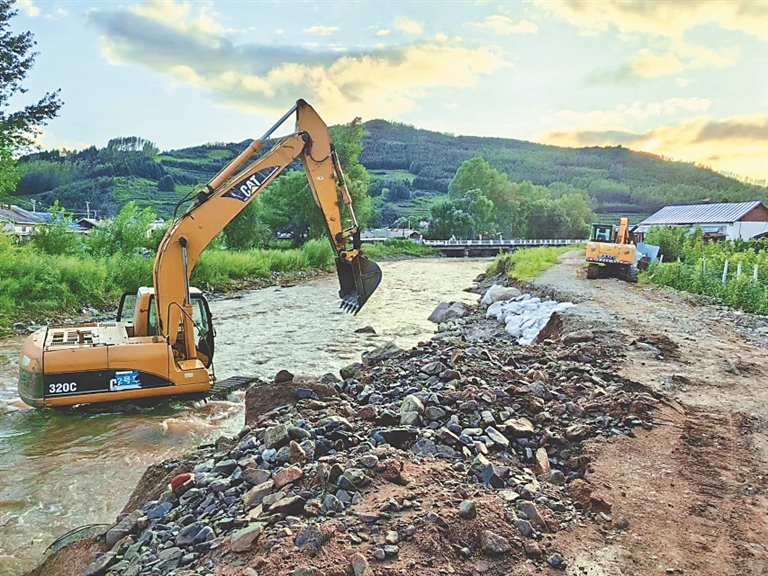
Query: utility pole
[[88, 209], [34, 203]]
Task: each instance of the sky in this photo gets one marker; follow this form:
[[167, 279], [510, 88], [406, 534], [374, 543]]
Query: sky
[[686, 79]]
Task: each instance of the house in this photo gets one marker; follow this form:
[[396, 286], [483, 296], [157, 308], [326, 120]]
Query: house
[[23, 224], [88, 224], [724, 220], [19, 222]]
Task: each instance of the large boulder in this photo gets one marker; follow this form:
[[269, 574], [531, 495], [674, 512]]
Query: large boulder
[[446, 311], [498, 293]]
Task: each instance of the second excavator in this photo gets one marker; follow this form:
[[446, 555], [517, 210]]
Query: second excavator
[[162, 341]]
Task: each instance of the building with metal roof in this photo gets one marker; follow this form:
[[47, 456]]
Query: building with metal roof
[[729, 220], [22, 223]]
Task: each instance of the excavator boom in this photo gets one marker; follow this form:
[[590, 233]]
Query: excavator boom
[[230, 191]]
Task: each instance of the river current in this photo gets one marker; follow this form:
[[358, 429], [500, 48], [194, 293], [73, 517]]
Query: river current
[[59, 471]]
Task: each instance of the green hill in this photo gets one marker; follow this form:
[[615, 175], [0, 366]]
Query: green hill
[[409, 168]]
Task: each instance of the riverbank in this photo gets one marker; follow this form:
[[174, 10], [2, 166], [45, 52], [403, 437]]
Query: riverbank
[[464, 454], [54, 466], [40, 289], [593, 451]]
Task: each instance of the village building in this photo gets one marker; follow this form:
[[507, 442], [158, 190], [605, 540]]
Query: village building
[[19, 222], [721, 221]]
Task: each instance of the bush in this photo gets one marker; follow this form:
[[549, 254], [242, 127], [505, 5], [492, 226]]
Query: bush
[[319, 254], [398, 247], [701, 272]]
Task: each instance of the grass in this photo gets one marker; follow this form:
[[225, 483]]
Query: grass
[[395, 247], [37, 287], [527, 263]]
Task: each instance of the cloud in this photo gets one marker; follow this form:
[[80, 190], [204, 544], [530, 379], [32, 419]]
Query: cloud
[[253, 77], [661, 18], [637, 111], [738, 144], [664, 21], [744, 128], [382, 32], [409, 26], [29, 8], [504, 25], [322, 30]]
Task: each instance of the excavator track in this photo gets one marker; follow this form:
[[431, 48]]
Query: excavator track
[[223, 388]]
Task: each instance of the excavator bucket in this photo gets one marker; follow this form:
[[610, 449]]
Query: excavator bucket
[[358, 280]]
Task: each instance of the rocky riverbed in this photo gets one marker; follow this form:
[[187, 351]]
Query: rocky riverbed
[[463, 455]]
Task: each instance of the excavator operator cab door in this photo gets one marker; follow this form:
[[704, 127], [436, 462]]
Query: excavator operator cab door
[[203, 327]]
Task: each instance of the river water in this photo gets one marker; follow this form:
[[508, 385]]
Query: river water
[[59, 471]]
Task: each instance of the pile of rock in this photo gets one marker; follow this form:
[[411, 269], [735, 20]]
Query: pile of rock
[[385, 465]]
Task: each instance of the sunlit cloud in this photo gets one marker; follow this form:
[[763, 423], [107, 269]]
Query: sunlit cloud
[[409, 26], [738, 144], [253, 77], [624, 114], [28, 8], [322, 30], [661, 18], [504, 25], [382, 32]]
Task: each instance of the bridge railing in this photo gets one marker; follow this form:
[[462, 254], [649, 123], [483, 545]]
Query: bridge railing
[[508, 242]]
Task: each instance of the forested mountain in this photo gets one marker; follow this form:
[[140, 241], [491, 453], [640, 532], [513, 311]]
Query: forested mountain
[[619, 180], [410, 168]]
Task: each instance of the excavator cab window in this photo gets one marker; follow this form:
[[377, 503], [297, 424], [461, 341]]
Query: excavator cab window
[[152, 318], [127, 304], [201, 315], [601, 233]]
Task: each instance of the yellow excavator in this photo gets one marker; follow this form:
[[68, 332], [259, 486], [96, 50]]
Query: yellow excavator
[[611, 253], [162, 342]]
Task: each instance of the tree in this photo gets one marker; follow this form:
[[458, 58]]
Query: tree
[[247, 230], [18, 129], [129, 231], [57, 235], [449, 220], [165, 184], [287, 204]]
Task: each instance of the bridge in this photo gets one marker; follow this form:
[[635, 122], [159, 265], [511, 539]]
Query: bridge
[[462, 248]]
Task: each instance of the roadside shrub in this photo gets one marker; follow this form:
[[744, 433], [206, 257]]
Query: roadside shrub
[[318, 253], [701, 272]]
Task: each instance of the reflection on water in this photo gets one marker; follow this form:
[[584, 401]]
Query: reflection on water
[[59, 471]]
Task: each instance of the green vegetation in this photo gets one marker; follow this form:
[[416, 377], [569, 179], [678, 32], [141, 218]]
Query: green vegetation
[[18, 129], [61, 272], [701, 265], [527, 263], [483, 201], [619, 181], [395, 247], [410, 171]]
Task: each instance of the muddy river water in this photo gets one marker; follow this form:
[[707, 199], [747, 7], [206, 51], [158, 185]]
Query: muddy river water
[[59, 471]]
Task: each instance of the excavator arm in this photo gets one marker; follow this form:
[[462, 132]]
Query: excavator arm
[[230, 191]]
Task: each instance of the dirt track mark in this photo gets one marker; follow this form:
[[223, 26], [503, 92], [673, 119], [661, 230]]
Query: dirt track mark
[[693, 491]]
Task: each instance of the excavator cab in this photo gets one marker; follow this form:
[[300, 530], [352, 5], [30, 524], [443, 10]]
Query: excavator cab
[[137, 312]]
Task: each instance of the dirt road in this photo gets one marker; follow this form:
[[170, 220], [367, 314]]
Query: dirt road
[[690, 496]]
